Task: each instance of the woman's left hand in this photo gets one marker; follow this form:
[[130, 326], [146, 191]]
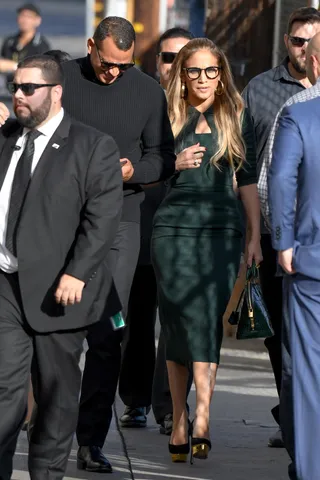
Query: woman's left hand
[[254, 252]]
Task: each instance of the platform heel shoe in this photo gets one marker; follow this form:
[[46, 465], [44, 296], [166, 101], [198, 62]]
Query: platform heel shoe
[[200, 448], [179, 453]]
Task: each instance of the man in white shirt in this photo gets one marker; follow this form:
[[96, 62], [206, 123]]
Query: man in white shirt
[[60, 206]]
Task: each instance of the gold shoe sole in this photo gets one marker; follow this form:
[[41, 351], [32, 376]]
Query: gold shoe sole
[[179, 457], [200, 451]]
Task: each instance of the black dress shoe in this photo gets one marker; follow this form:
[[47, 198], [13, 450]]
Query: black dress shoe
[[92, 459], [276, 441], [166, 425], [24, 427], [134, 418]]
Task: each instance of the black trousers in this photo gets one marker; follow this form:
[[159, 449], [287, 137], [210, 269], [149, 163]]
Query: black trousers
[[138, 360], [53, 359], [286, 397], [103, 358], [272, 292]]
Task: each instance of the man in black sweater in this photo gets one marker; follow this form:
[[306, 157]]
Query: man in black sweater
[[105, 91]]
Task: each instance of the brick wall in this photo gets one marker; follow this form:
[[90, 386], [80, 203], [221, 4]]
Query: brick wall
[[244, 30]]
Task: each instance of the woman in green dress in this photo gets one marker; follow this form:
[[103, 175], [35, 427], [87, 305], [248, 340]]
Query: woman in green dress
[[197, 234]]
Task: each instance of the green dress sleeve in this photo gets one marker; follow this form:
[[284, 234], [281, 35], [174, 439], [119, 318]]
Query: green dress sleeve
[[247, 175]]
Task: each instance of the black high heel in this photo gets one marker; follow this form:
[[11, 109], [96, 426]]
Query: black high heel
[[179, 453], [200, 446]]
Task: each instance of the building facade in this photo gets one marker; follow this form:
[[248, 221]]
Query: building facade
[[251, 33]]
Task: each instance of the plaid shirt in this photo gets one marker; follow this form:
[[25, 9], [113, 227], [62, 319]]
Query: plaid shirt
[[303, 96], [264, 96]]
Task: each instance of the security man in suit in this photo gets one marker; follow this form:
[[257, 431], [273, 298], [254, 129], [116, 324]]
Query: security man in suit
[[60, 204], [294, 199]]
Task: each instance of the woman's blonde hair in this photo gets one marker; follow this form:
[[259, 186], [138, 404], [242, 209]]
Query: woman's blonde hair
[[228, 107]]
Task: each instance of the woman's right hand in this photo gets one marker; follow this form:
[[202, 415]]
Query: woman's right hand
[[190, 157]]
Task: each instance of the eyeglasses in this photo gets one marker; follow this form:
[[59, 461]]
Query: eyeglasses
[[28, 89], [168, 57], [194, 72], [106, 66], [299, 41]]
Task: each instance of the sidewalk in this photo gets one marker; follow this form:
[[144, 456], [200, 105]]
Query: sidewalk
[[240, 427]]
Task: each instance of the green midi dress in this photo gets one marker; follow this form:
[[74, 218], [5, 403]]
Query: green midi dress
[[196, 246]]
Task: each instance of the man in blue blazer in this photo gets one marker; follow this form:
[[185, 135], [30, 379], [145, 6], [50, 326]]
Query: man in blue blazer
[[294, 198]]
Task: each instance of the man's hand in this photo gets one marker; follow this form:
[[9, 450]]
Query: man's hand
[[4, 114], [285, 258], [69, 290], [127, 169]]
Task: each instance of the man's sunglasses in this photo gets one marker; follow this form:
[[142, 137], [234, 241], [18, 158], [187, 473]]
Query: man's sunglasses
[[298, 41], [27, 89], [168, 57], [106, 66], [194, 72]]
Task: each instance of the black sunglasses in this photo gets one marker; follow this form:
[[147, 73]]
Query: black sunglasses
[[106, 66], [299, 41], [27, 89], [194, 72], [168, 57]]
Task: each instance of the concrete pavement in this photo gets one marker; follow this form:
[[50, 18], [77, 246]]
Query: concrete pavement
[[241, 424]]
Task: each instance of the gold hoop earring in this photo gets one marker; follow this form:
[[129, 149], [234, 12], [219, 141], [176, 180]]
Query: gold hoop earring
[[183, 90], [220, 88]]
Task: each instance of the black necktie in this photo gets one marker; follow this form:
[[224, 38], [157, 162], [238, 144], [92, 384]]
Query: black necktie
[[19, 189]]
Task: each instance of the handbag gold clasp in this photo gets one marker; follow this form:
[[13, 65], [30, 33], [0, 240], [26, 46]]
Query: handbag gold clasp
[[250, 309]]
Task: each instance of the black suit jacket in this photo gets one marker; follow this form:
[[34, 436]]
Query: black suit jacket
[[68, 223]]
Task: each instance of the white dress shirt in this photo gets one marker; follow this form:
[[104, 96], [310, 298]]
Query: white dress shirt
[[9, 263]]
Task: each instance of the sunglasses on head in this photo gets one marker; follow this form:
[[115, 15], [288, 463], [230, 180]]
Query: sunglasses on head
[[168, 57], [106, 66], [298, 41], [27, 89]]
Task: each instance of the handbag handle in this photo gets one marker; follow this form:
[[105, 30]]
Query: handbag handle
[[252, 273], [251, 277]]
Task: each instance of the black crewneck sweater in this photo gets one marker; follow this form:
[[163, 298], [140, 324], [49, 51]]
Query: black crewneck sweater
[[133, 110]]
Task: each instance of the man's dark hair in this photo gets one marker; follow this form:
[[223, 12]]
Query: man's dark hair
[[59, 55], [51, 69], [176, 32], [119, 29], [303, 15]]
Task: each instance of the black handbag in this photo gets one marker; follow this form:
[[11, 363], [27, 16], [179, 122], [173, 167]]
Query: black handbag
[[251, 314]]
